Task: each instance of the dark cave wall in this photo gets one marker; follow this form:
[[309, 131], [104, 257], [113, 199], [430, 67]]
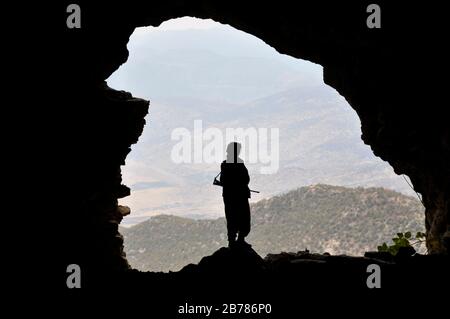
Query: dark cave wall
[[377, 71]]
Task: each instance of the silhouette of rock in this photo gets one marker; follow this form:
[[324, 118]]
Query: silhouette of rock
[[285, 279], [405, 252], [240, 260], [400, 107], [379, 255]]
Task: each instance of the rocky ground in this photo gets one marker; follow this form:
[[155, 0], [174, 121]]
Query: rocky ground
[[289, 282]]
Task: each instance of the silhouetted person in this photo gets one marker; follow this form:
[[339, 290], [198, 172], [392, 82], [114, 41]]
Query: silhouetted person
[[235, 179]]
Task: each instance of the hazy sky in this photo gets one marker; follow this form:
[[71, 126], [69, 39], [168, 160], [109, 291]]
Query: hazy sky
[[193, 69], [184, 24]]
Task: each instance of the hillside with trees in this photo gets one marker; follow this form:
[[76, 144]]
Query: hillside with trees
[[320, 218]]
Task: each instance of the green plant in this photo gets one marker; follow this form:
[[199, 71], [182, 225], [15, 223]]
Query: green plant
[[402, 240]]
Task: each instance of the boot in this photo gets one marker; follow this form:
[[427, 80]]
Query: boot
[[232, 244], [242, 243]]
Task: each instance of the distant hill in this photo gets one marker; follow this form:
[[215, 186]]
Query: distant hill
[[230, 79], [321, 218]]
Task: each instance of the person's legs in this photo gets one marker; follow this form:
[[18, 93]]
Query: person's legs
[[232, 222], [244, 220]]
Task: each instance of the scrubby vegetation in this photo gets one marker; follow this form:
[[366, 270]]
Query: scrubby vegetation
[[320, 218]]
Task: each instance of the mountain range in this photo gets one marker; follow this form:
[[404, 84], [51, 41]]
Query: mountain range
[[320, 218], [229, 79]]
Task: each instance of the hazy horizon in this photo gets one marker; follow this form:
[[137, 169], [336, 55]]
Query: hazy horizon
[[192, 69]]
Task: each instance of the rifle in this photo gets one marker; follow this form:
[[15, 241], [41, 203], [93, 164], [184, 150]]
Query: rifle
[[219, 183]]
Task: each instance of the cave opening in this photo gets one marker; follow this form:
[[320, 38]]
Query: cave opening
[[199, 70]]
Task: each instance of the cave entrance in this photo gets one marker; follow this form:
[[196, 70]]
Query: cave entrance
[[200, 72]]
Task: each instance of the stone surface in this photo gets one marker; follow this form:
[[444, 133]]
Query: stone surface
[[386, 75]]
